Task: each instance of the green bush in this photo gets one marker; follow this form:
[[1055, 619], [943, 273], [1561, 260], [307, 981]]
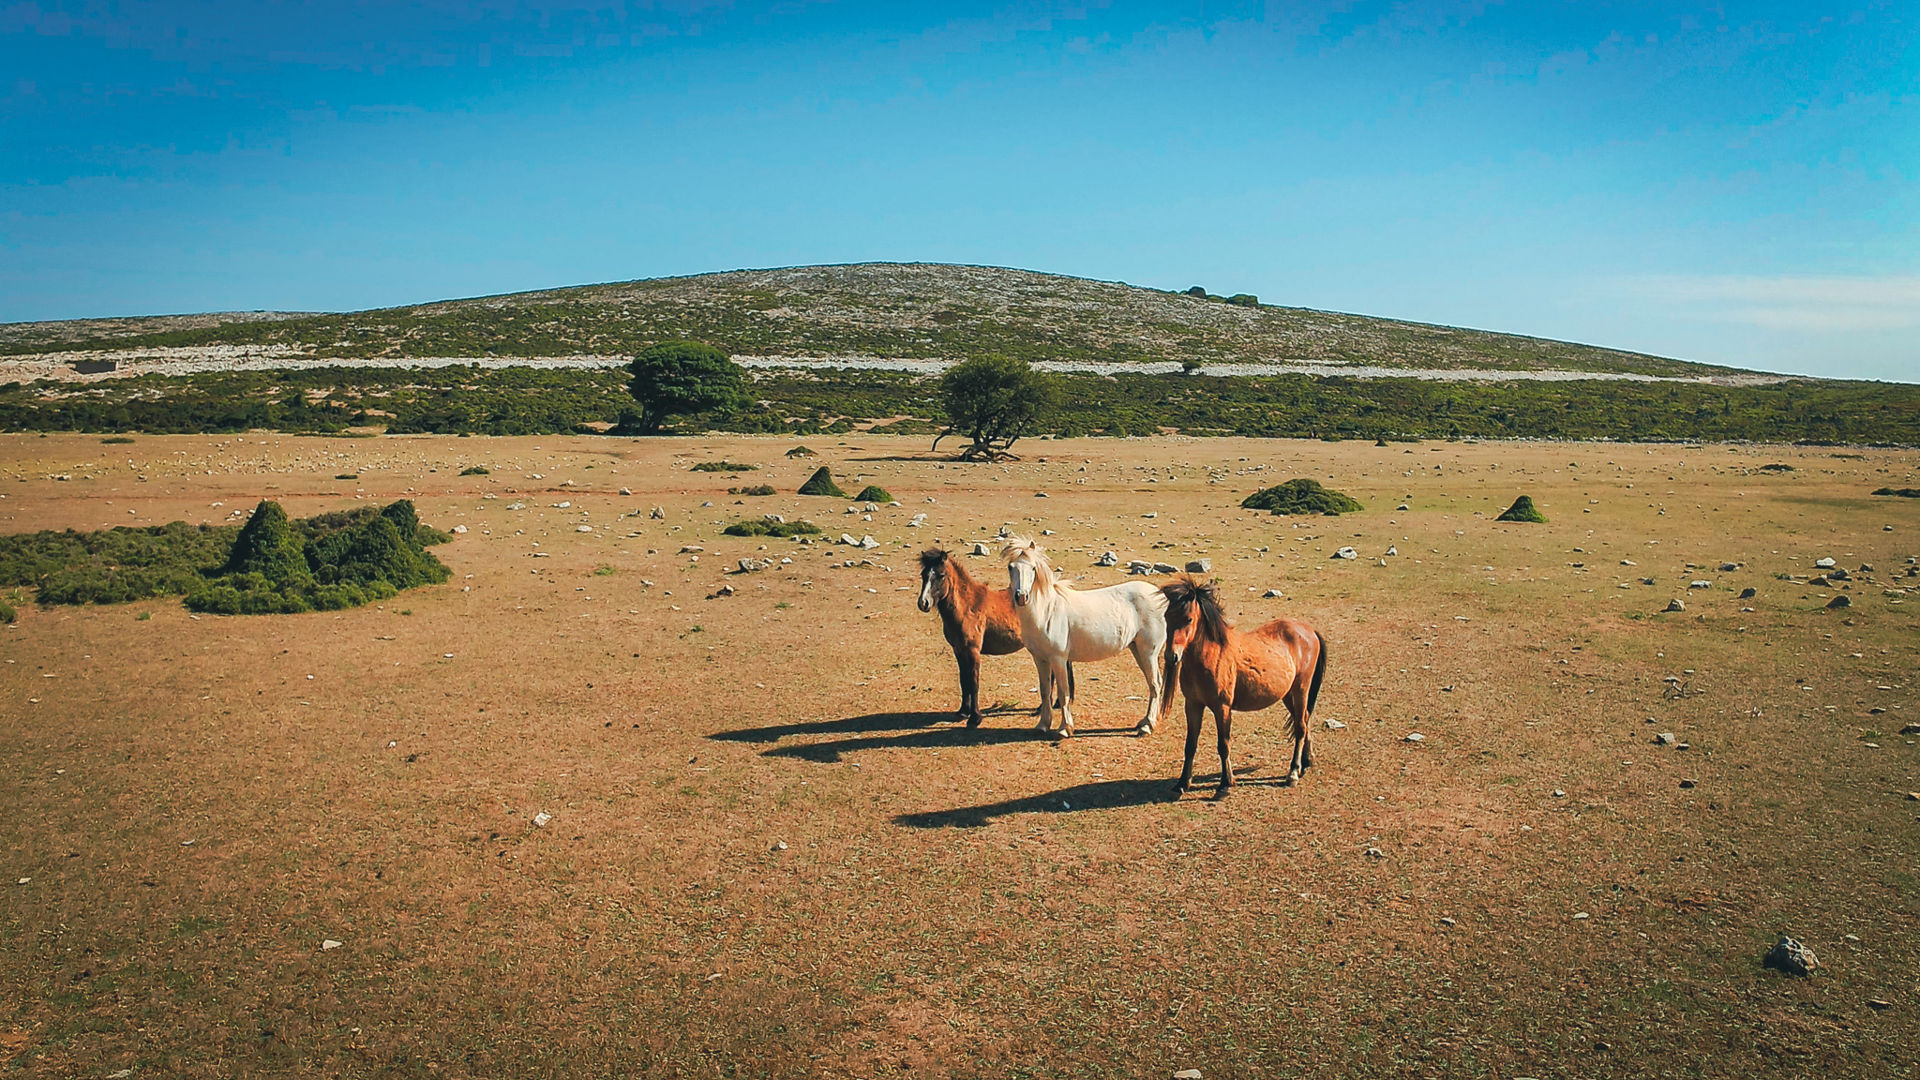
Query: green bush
[[821, 483], [475, 470], [763, 527], [7, 614], [114, 566], [276, 568], [1244, 300], [802, 451], [1523, 510], [1301, 496], [724, 466], [874, 493], [679, 378], [753, 489]]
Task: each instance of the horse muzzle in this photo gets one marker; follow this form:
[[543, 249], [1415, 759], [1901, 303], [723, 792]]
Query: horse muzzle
[[1020, 598], [925, 604]]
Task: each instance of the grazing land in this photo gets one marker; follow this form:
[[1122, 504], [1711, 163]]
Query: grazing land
[[583, 811]]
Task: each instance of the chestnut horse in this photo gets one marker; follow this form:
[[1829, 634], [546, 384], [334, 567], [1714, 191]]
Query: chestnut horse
[[975, 620], [1224, 669]]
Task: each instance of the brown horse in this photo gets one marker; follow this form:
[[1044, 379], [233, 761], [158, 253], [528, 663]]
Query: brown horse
[[975, 620], [1224, 669]]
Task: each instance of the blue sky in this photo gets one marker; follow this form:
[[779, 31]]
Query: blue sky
[[1737, 184]]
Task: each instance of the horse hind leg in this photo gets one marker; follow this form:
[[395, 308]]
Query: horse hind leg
[[1302, 736], [1045, 671], [1063, 677], [969, 686]]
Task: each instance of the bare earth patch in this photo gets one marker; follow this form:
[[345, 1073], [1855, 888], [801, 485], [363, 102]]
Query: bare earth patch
[[767, 850]]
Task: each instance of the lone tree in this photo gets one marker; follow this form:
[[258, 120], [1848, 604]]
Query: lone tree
[[675, 378], [992, 401]]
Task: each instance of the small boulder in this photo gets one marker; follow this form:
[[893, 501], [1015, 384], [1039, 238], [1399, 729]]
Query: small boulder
[[1675, 605], [1346, 553], [1165, 568], [1393, 551], [1840, 602], [459, 530], [1334, 725], [1791, 957], [658, 513], [626, 491], [979, 549], [1200, 566], [1665, 738], [1107, 558], [1270, 594], [1700, 585], [1823, 564], [1839, 575], [869, 543], [1749, 593], [1728, 567]]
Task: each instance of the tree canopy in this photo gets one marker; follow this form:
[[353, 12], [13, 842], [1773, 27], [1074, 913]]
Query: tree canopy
[[676, 378], [992, 401]]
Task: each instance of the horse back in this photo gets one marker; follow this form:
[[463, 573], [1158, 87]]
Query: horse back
[[1295, 638]]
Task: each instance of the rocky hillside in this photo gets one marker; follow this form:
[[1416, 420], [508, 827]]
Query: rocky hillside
[[877, 310]]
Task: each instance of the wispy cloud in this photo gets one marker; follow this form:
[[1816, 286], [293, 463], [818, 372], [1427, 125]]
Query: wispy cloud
[[1795, 303]]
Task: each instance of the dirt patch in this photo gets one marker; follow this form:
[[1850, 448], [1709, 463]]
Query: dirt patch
[[767, 850]]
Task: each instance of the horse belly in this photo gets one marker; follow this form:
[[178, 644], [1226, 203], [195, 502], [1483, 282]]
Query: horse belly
[[1097, 643], [1000, 640]]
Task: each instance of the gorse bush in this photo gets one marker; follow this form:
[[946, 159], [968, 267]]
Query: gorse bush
[[274, 568], [270, 564], [1301, 496], [874, 493], [753, 489], [1523, 510], [821, 483], [771, 528], [724, 466]]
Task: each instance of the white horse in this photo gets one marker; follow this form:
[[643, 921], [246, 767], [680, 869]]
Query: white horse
[[1060, 625]]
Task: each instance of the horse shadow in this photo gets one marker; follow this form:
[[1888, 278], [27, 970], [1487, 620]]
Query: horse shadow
[[1100, 795], [917, 730]]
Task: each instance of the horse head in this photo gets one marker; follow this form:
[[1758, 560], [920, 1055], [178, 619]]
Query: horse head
[[933, 577], [1193, 609], [1028, 571]]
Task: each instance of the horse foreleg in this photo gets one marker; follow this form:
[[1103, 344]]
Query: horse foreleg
[[1196, 718], [969, 659], [1148, 658], [1223, 722], [1063, 677], [1045, 670]]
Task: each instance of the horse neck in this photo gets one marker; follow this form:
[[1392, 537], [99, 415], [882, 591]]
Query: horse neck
[[962, 592]]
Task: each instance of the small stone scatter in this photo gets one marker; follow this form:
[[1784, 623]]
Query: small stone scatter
[[1791, 957]]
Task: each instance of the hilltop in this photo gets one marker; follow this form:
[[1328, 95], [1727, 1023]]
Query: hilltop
[[910, 312]]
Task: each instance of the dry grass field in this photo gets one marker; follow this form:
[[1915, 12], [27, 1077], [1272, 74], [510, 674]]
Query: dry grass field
[[771, 853]]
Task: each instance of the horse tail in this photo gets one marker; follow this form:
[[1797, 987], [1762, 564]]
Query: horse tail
[[1319, 672]]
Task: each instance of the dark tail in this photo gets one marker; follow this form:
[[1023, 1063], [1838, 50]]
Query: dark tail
[[1319, 672]]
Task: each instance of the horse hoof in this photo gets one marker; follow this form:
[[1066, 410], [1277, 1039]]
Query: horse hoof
[[1220, 793], [973, 721], [1143, 729]]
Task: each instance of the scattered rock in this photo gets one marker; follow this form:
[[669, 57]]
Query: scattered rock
[[1581, 915], [1558, 794], [1165, 568], [1346, 553], [1879, 1005], [1910, 729], [1403, 506], [658, 513], [1040, 495], [869, 543], [1729, 567], [691, 549], [916, 521], [1749, 593], [748, 566], [1414, 736], [1840, 602], [847, 539], [1700, 585], [1271, 594], [779, 845], [583, 528], [1375, 853], [1675, 605], [1791, 957], [777, 519], [1107, 558], [459, 530], [1199, 566], [1628, 562], [1665, 738], [1334, 725], [540, 819], [1393, 551], [1839, 575], [1821, 564], [1138, 567], [1689, 782], [329, 944], [1187, 1074], [724, 590], [979, 549], [626, 491]]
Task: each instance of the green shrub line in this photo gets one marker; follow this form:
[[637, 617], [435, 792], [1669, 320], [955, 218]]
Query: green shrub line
[[476, 470], [528, 401], [763, 527], [724, 466], [270, 564], [753, 489]]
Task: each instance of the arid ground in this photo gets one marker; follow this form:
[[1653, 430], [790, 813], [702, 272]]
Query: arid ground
[[771, 853]]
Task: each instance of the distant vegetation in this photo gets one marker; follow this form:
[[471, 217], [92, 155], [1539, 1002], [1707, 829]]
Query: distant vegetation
[[874, 493], [1301, 496], [1904, 493], [764, 527], [753, 489], [680, 378], [270, 564], [475, 470], [724, 466], [992, 401], [1523, 510], [529, 401], [821, 483]]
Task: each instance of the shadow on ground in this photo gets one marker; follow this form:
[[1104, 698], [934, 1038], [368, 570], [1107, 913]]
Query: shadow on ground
[[932, 730], [1104, 795]]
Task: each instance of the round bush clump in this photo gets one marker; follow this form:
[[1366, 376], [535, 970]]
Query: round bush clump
[[474, 470], [1301, 496], [874, 493], [1523, 510]]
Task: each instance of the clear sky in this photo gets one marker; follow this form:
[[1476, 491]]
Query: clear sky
[[1736, 184]]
